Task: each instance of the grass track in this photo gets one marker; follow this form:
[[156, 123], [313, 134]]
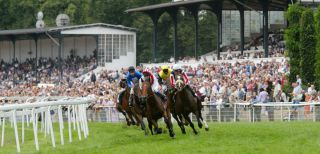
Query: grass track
[[267, 137]]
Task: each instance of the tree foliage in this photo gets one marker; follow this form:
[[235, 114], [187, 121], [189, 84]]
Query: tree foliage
[[307, 46], [292, 37], [317, 65]]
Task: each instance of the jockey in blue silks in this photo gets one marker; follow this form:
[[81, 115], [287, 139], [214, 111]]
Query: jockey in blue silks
[[132, 74]]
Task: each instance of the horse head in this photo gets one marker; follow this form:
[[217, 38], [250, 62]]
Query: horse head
[[179, 82], [146, 91], [123, 83]]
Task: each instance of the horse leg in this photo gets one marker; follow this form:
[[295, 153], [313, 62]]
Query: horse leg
[[205, 123], [156, 127], [126, 116], [131, 119], [150, 126], [198, 119], [186, 117], [179, 123], [167, 120], [143, 126]]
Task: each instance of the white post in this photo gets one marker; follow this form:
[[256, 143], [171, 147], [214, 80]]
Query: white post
[[314, 113], [22, 122], [253, 114], [85, 119], [73, 117], [60, 124], [35, 129], [49, 121], [42, 121], [28, 121], [69, 125], [281, 109], [235, 113], [2, 135], [77, 121], [15, 129]]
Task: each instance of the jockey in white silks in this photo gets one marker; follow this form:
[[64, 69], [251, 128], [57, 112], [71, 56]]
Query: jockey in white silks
[[155, 86]]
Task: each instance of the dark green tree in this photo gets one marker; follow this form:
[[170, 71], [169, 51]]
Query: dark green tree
[[292, 38], [317, 66], [307, 46]]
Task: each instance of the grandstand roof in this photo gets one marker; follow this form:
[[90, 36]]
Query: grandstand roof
[[28, 33], [274, 5]]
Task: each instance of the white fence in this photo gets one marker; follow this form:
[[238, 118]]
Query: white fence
[[31, 108], [245, 112]]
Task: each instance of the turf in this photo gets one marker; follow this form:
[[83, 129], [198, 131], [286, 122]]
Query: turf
[[266, 137]]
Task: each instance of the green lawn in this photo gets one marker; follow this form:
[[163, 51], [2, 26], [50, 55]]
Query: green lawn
[[267, 137]]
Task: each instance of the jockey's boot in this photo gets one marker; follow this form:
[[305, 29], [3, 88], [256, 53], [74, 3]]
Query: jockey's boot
[[162, 96]]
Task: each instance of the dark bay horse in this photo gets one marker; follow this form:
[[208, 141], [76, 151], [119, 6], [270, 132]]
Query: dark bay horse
[[123, 105], [183, 103], [155, 108], [138, 108]]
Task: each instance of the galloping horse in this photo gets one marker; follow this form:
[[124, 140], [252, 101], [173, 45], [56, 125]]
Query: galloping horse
[[138, 108], [183, 103], [123, 105], [155, 108]]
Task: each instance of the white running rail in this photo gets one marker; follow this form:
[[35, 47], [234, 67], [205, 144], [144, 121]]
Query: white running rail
[[33, 107]]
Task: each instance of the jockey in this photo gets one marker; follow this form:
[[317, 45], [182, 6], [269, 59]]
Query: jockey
[[164, 74], [154, 83], [132, 74], [178, 71]]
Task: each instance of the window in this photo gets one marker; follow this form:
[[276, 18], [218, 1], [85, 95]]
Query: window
[[123, 45], [108, 48], [130, 43], [116, 47]]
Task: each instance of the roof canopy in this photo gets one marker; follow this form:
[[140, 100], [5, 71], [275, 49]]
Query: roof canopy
[[22, 34], [274, 5]]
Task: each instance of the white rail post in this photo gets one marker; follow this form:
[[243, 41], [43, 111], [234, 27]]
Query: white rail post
[[35, 129], [49, 121], [235, 113], [15, 129], [22, 129], [2, 135], [69, 124], [60, 124], [73, 117], [314, 113], [28, 121], [42, 122], [77, 121]]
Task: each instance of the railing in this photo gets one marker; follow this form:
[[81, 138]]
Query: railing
[[44, 107], [245, 112]]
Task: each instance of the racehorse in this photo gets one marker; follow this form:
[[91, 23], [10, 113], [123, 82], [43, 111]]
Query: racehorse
[[183, 103], [138, 108], [123, 105], [155, 108]]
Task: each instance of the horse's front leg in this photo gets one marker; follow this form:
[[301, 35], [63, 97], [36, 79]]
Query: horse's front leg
[[190, 122], [179, 123], [150, 126], [167, 120]]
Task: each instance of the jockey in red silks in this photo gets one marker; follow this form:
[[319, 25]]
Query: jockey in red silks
[[177, 70], [154, 83]]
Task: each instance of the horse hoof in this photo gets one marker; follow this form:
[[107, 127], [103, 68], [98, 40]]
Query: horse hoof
[[200, 125], [196, 132], [207, 129], [173, 135], [184, 132]]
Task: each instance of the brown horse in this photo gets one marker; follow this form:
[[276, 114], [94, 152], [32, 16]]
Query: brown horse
[[155, 108], [183, 103], [138, 108], [123, 105]]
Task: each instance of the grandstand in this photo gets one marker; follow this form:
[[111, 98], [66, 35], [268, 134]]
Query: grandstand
[[113, 44]]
